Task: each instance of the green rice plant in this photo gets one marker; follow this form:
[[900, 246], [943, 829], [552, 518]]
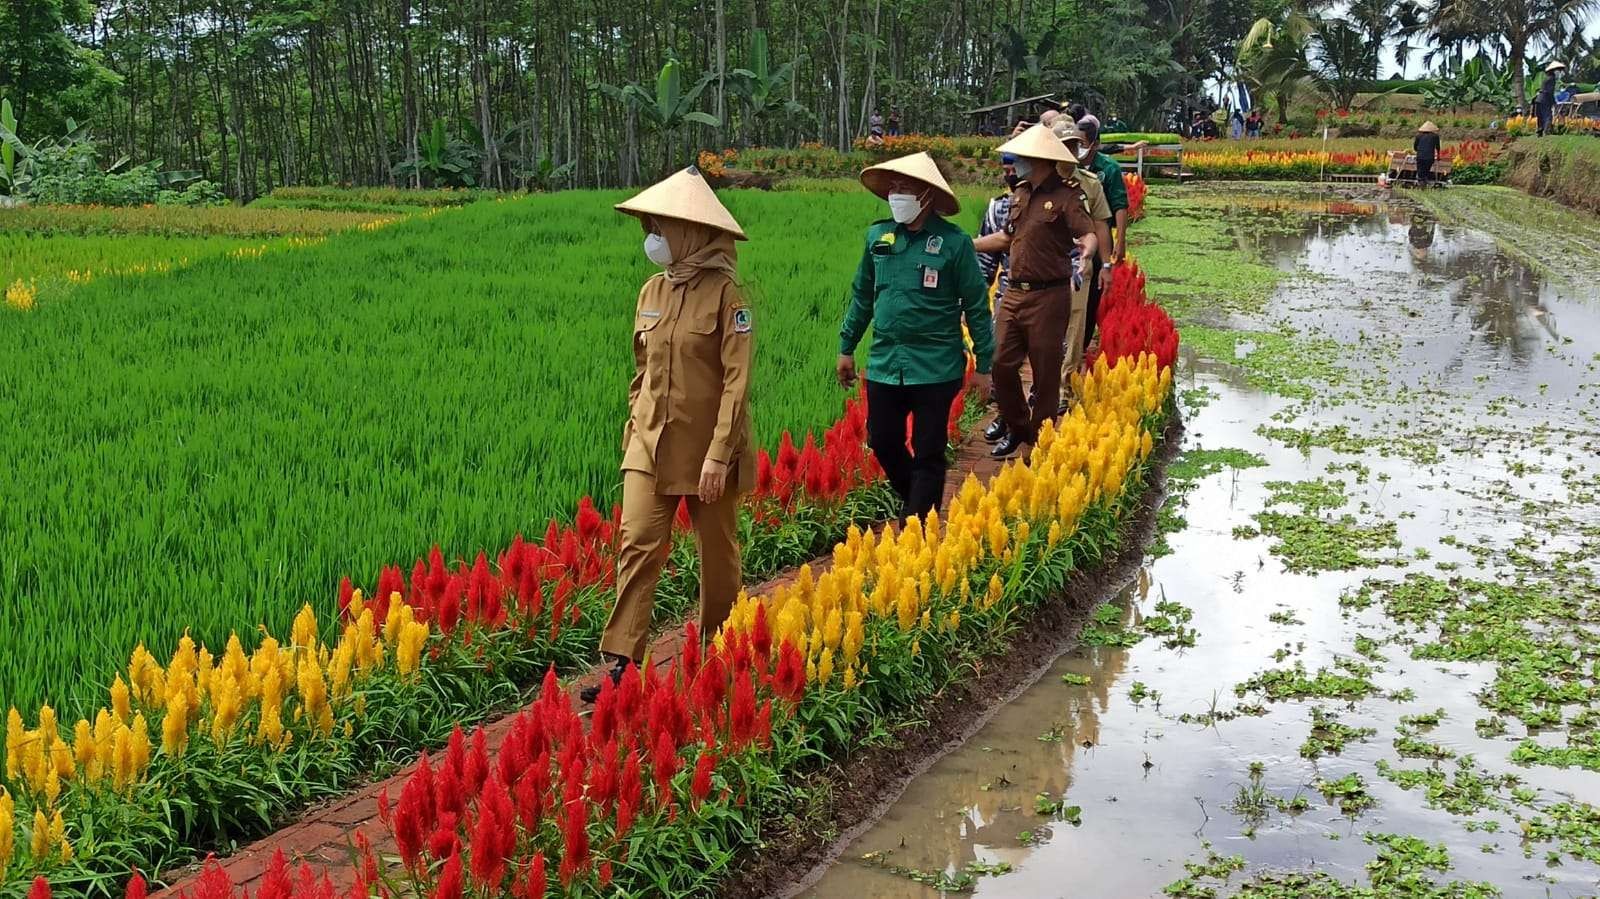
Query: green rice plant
[[180, 221], [210, 448]]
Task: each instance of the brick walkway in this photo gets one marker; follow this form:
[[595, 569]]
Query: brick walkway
[[326, 834]]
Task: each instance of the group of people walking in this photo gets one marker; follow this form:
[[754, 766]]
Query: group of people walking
[[1046, 248]]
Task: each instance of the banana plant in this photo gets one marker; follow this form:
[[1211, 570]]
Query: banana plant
[[8, 146], [1028, 64], [669, 109], [761, 86]]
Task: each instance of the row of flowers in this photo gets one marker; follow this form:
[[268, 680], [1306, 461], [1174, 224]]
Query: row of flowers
[[1521, 126], [1245, 164], [217, 744], [209, 748], [681, 762]]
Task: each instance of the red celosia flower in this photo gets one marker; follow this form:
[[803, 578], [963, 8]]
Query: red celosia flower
[[450, 884], [214, 882], [137, 888], [531, 883], [742, 712], [605, 873], [764, 725], [690, 660], [700, 786], [40, 889], [760, 633], [368, 859], [444, 841], [664, 761], [275, 884], [416, 815], [789, 678], [476, 769], [494, 837], [574, 839]]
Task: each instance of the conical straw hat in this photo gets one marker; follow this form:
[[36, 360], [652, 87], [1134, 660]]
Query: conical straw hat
[[1558, 64], [1038, 142], [918, 166], [685, 196], [1428, 126]]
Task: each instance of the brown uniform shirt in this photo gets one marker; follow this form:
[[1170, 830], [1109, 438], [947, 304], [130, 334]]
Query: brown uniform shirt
[[1044, 223], [690, 396]]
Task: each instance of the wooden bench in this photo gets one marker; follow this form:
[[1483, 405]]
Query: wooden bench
[[1403, 167], [1154, 163]]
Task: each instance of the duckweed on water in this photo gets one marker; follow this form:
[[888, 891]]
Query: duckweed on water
[[1275, 361], [1352, 681], [1329, 735]]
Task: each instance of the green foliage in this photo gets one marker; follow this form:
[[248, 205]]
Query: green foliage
[[442, 160], [326, 410], [1477, 81]]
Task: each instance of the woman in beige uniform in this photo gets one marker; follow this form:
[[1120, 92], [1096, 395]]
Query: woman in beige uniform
[[688, 433]]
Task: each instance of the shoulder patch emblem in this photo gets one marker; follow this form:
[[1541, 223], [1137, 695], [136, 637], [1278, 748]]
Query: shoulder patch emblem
[[742, 323], [1048, 205], [934, 245]]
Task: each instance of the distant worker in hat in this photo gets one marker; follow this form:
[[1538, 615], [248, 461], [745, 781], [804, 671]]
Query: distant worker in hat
[[688, 436], [917, 283], [1426, 146], [1544, 103], [1051, 216], [1109, 173]]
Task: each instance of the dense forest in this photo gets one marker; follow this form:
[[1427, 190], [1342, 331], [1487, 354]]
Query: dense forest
[[260, 93], [254, 94]]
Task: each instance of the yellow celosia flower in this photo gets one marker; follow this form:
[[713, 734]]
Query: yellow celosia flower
[[58, 837], [175, 725], [16, 733], [304, 631], [408, 656], [8, 831], [314, 698], [825, 666], [40, 845]]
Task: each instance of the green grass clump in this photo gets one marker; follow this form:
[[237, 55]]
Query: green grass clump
[[210, 449]]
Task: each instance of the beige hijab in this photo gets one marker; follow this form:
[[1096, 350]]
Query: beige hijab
[[696, 248]]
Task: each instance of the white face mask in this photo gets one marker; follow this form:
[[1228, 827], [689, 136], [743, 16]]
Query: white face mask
[[656, 249], [1083, 154], [1024, 168], [905, 208]]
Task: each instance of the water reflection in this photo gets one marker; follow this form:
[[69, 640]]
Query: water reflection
[[1459, 315]]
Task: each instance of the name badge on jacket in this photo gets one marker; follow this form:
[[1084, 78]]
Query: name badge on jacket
[[930, 277]]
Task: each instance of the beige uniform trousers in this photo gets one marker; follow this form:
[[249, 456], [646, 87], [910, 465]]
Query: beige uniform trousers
[[1077, 321], [646, 542]]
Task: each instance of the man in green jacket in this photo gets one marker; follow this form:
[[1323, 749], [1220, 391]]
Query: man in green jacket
[[1109, 171], [917, 284]]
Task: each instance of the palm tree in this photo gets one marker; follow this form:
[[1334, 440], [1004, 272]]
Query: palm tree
[[1272, 59], [1344, 58], [1521, 24]]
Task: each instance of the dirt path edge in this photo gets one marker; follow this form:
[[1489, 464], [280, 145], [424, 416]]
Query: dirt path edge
[[862, 787]]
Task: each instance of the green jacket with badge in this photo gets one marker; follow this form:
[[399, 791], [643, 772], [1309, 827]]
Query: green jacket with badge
[[1110, 174], [915, 289]]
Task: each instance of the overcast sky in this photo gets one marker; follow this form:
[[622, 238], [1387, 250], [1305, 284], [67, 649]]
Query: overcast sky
[[1414, 67]]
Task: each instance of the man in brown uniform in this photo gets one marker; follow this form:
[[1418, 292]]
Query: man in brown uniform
[[688, 437], [1050, 217]]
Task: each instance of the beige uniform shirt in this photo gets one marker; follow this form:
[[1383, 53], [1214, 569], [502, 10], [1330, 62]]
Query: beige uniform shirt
[[1093, 191], [690, 396]]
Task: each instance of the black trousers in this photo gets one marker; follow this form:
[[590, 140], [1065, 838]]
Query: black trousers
[[1424, 169], [1094, 308], [917, 475]]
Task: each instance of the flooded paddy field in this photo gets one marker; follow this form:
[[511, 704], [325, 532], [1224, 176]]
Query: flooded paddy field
[[1364, 656]]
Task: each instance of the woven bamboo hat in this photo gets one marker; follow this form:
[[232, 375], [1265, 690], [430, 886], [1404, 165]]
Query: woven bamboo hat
[[1429, 127], [685, 196], [918, 167], [1555, 66], [1038, 142]]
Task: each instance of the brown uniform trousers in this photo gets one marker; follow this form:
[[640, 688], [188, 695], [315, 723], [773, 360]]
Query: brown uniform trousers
[[1031, 325], [688, 402]]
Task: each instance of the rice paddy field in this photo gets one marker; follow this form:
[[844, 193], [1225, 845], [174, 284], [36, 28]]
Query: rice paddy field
[[227, 417]]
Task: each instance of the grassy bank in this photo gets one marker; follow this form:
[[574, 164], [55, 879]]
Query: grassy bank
[[1565, 169]]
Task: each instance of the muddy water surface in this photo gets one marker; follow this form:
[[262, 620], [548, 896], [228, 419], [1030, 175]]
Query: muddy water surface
[[1434, 397]]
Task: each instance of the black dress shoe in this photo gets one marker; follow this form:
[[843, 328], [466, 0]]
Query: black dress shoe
[[996, 431], [1007, 447], [619, 666]]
